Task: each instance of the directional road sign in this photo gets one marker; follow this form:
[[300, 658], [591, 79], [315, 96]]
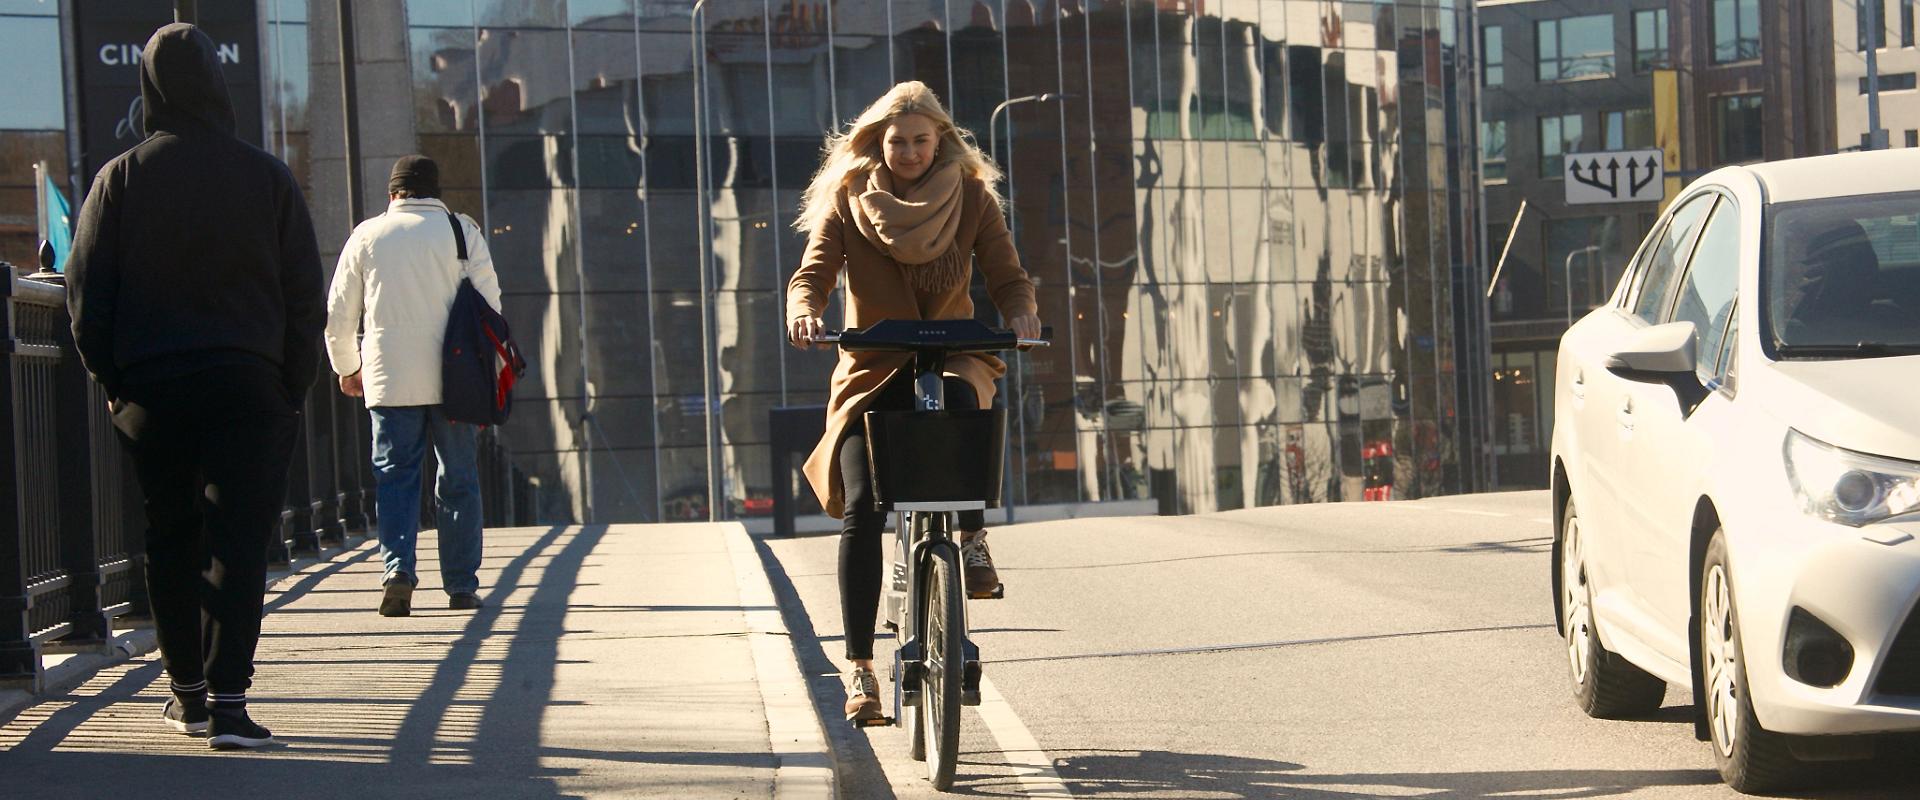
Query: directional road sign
[[1620, 176]]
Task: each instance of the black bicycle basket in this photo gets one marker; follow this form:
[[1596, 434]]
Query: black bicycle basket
[[935, 456]]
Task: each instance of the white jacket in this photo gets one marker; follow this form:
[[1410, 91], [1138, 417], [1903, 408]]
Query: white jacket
[[396, 280]]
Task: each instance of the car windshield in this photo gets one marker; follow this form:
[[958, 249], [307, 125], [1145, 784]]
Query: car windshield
[[1843, 275]]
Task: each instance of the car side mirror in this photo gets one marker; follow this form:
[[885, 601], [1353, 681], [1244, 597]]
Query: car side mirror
[[1654, 355], [1662, 354]]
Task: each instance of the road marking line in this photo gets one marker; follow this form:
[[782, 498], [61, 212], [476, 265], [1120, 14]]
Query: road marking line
[[794, 730], [1477, 513], [1035, 767]]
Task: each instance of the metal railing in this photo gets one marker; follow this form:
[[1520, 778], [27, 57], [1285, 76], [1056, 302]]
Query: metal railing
[[69, 559], [72, 550]]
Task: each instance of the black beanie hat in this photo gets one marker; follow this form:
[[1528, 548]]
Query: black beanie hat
[[416, 174]]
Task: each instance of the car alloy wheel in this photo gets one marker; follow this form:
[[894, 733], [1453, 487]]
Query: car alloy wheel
[[1716, 651], [1575, 619]]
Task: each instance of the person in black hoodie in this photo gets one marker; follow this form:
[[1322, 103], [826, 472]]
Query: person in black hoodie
[[196, 294]]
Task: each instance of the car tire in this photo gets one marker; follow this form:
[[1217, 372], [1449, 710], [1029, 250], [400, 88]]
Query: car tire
[[1605, 685], [1751, 758]]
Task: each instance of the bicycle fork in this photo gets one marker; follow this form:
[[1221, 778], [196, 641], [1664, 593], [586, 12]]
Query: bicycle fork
[[911, 655]]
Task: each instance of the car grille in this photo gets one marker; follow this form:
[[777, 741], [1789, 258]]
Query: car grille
[[1900, 674]]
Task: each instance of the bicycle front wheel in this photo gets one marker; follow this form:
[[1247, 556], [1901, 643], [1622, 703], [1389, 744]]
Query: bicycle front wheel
[[945, 627]]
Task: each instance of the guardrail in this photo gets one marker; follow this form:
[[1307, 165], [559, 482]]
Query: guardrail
[[72, 550]]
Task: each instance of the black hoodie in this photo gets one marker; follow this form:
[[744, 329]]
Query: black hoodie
[[194, 249]]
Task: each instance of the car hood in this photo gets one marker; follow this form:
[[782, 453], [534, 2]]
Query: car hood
[[1861, 404]]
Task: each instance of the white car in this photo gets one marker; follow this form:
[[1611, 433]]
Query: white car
[[1736, 466]]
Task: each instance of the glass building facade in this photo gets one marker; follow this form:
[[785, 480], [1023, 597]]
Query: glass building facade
[[1245, 220], [1252, 226]]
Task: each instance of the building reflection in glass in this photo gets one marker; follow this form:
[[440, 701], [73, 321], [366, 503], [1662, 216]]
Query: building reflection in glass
[[1245, 219]]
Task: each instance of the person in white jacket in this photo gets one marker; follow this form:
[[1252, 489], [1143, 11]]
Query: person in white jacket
[[386, 320]]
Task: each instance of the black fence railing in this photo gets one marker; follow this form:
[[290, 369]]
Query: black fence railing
[[71, 526]]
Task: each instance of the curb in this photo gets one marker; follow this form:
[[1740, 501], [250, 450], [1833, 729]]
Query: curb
[[131, 644], [806, 766]]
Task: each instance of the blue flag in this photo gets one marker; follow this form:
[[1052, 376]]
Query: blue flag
[[57, 216]]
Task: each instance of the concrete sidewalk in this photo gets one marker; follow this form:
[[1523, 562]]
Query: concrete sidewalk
[[609, 661]]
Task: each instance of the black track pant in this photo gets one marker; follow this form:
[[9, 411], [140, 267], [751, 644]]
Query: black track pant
[[861, 526], [211, 450]]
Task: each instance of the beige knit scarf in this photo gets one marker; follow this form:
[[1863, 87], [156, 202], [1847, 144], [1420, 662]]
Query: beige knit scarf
[[916, 227]]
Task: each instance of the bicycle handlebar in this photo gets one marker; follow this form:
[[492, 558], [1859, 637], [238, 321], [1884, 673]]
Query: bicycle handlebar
[[952, 336]]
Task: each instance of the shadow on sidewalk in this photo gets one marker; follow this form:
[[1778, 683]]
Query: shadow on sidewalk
[[455, 708]]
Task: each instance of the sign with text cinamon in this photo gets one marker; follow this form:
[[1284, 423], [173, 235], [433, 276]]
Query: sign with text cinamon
[[113, 33], [1619, 176]]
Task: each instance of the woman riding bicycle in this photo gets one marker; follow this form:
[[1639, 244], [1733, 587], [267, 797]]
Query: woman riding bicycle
[[904, 204]]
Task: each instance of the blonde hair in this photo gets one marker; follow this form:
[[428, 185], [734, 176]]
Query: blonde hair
[[851, 154]]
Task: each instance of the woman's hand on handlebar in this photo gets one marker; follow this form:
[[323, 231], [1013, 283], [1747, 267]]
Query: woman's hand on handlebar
[[803, 330], [1025, 326]]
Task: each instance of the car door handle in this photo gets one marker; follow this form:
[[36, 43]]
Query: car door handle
[[1579, 385], [1625, 414]]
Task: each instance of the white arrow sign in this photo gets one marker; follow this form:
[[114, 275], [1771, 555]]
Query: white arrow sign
[[1620, 176]]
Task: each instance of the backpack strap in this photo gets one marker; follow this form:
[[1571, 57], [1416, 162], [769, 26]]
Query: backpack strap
[[459, 235]]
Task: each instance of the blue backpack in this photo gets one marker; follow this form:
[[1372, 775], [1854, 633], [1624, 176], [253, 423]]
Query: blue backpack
[[479, 362]]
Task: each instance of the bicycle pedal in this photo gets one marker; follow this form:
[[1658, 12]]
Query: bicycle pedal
[[876, 722], [998, 592]]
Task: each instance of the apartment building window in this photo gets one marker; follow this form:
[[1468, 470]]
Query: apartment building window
[[1895, 82], [1576, 47], [1559, 135], [1493, 56], [1913, 138], [1860, 24], [1736, 30], [1737, 129], [1650, 40], [1493, 150], [1631, 129], [1906, 23]]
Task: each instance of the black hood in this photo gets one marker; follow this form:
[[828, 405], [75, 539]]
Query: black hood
[[181, 82]]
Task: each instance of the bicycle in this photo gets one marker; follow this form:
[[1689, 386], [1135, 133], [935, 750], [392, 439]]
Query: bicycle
[[927, 464]]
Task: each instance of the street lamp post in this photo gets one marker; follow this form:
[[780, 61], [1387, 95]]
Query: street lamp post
[[1017, 402], [1592, 248], [993, 119]]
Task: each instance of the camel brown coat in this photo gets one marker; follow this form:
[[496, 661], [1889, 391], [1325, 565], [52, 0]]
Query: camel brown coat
[[877, 289]]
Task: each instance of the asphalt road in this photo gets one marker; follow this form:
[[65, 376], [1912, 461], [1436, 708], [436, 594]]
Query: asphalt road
[[1334, 651]]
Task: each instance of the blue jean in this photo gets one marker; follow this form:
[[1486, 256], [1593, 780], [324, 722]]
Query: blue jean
[[400, 437]]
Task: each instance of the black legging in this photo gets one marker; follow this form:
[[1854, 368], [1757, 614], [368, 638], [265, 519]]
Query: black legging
[[860, 529]]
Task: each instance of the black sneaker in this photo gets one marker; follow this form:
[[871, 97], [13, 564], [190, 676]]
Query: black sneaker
[[464, 601], [185, 718], [397, 600], [232, 729]]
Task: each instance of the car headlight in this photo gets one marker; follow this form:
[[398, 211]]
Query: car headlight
[[1847, 487]]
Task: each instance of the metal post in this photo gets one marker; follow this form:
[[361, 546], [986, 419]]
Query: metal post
[[1014, 397], [79, 556], [336, 507], [1876, 139], [1568, 271], [705, 237]]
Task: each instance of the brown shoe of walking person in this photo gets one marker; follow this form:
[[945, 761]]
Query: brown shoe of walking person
[[982, 580], [863, 696]]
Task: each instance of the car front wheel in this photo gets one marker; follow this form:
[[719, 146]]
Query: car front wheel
[[1750, 758], [1605, 685]]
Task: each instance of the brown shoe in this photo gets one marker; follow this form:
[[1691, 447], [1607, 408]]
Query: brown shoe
[[863, 696], [397, 601], [981, 578]]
